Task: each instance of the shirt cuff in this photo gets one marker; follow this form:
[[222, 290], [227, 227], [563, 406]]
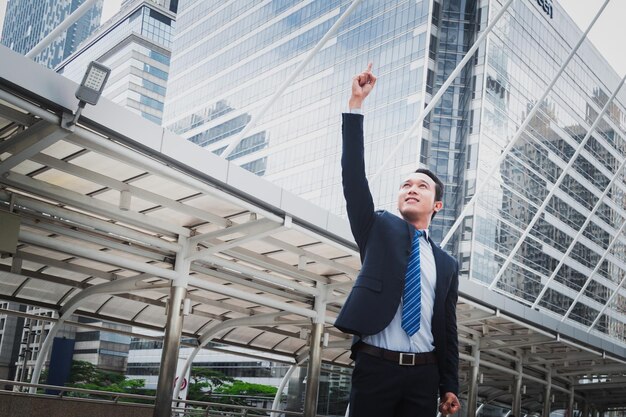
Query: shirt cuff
[[356, 111]]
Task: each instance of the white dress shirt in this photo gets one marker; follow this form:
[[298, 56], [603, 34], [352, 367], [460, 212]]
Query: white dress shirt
[[393, 337]]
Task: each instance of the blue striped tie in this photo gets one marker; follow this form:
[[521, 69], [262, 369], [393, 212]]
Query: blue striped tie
[[412, 296]]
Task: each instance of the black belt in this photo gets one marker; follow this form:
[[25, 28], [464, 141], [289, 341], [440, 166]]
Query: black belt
[[401, 358]]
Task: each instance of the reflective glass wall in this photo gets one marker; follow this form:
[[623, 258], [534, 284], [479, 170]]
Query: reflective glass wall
[[548, 229], [229, 58]]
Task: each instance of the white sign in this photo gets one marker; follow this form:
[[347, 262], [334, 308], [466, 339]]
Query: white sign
[[184, 383]]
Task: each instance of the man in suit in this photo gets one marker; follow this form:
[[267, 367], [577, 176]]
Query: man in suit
[[402, 308]]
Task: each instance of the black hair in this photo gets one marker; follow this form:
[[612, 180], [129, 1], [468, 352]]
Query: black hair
[[438, 183]]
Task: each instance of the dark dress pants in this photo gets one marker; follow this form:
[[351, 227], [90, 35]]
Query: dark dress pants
[[381, 388]]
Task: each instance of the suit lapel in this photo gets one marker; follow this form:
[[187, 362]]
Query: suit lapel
[[443, 275]]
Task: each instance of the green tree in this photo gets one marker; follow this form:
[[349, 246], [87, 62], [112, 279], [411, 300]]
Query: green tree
[[238, 387], [86, 375], [204, 381], [239, 393]]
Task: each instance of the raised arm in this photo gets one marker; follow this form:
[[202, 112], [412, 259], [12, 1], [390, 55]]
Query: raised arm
[[359, 202]]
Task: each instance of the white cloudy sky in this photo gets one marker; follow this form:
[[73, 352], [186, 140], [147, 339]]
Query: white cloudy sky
[[607, 33]]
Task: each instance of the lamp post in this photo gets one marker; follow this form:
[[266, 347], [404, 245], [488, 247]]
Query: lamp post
[[89, 91]]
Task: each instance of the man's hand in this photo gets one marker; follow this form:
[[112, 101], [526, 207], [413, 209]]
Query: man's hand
[[362, 85], [449, 404]]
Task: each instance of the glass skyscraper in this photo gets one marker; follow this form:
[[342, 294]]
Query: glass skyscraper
[[135, 44], [28, 21], [230, 58], [570, 259]]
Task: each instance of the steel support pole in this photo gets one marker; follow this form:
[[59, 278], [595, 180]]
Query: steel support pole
[[169, 354], [570, 406], [315, 355], [516, 407], [173, 331], [547, 394], [472, 394], [313, 372]]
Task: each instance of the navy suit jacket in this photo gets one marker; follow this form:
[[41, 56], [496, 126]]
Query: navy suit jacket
[[384, 241]]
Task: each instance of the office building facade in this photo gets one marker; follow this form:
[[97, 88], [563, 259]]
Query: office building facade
[[106, 350], [10, 328], [135, 44], [145, 356], [230, 58], [28, 21]]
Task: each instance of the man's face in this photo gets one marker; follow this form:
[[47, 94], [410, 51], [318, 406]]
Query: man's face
[[416, 198]]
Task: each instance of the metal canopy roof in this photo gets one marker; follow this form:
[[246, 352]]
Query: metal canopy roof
[[254, 248]]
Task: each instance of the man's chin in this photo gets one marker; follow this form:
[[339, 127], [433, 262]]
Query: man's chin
[[410, 215]]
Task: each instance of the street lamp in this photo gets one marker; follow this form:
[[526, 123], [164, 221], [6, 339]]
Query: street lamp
[[89, 90]]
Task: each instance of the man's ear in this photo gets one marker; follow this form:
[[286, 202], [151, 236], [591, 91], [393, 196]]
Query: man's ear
[[438, 206]]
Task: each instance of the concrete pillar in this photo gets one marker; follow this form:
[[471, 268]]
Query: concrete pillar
[[547, 394], [313, 374], [472, 394], [516, 407], [169, 355]]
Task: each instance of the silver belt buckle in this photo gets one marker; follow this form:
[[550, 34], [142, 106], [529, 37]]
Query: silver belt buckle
[[410, 359]]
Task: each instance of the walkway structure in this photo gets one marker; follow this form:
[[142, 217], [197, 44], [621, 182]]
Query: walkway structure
[[124, 221]]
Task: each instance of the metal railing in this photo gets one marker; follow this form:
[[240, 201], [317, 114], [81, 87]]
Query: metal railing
[[206, 409], [187, 408], [55, 391]]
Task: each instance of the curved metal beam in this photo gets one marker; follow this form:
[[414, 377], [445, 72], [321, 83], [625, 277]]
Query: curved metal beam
[[217, 328], [114, 287], [281, 388]]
